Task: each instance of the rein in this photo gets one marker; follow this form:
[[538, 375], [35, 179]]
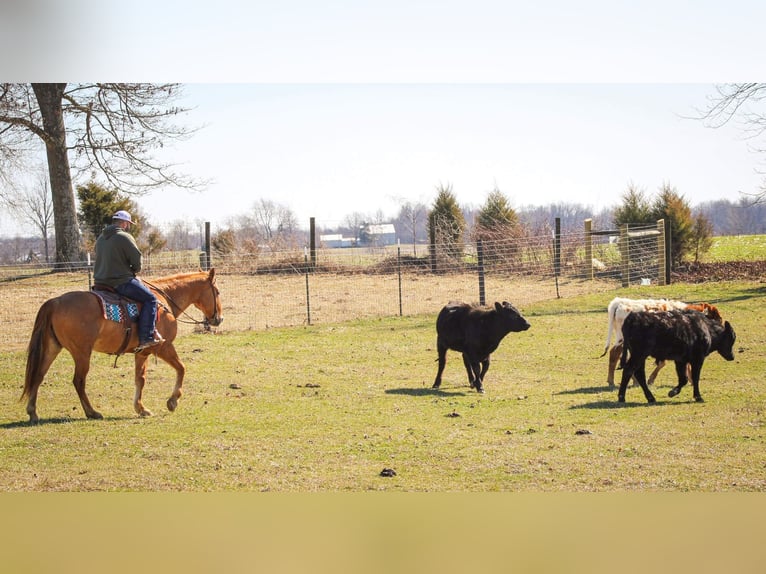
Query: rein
[[192, 320]]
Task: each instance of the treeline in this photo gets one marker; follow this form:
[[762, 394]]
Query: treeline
[[735, 218]]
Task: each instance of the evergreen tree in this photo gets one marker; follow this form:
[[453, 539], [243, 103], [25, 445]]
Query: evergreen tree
[[634, 209], [496, 213], [446, 223], [673, 208], [496, 224], [97, 204]]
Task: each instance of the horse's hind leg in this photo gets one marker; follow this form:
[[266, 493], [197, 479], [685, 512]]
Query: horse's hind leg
[[81, 368], [46, 361]]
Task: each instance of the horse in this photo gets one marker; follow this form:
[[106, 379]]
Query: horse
[[76, 321]]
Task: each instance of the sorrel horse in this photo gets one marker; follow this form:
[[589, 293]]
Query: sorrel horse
[[75, 321]]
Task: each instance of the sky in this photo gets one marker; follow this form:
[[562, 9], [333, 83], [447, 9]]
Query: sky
[[346, 106]]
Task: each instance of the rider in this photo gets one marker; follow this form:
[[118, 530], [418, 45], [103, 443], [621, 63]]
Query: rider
[[118, 259]]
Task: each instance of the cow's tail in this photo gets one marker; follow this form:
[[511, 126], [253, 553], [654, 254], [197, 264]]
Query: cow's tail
[[624, 355], [611, 310]]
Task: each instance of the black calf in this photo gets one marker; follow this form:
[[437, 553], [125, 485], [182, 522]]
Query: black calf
[[684, 336], [475, 332]]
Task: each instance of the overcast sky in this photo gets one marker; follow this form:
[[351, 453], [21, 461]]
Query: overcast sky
[[341, 106]]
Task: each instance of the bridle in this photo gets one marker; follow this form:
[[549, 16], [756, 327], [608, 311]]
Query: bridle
[[189, 319]]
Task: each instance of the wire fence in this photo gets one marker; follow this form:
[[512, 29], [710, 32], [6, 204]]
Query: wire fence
[[266, 289]]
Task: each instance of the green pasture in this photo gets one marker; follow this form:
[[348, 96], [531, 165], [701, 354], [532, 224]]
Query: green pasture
[[737, 248], [328, 407]]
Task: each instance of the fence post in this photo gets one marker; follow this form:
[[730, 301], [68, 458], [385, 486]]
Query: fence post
[[480, 257], [624, 255], [206, 266], [588, 266], [662, 270], [313, 242], [668, 252], [308, 295], [399, 271], [557, 253]]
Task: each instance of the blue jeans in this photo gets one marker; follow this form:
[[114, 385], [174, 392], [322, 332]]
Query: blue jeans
[[147, 317]]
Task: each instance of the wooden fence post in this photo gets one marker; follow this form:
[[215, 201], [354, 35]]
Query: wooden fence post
[[588, 265], [313, 242]]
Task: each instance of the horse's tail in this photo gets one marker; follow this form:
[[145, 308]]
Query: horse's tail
[[42, 335]]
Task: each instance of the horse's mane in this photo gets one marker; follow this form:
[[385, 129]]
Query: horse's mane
[[170, 281]]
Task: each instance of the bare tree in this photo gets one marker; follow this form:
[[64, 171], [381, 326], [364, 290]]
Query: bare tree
[[412, 217], [276, 224], [108, 128], [33, 205], [746, 103]]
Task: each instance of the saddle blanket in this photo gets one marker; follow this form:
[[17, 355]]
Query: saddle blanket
[[116, 308]]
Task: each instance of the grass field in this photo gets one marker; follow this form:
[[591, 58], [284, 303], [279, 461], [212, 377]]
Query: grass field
[[327, 408]]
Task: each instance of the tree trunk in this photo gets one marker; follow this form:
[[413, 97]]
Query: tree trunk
[[49, 98]]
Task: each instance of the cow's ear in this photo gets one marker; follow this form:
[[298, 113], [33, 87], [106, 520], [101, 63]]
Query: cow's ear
[[498, 306]]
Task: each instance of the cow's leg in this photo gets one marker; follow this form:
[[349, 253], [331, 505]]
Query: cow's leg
[[475, 368], [696, 367], [484, 369], [640, 374], [627, 373], [656, 370], [614, 356], [442, 351], [681, 372], [634, 365], [472, 368]]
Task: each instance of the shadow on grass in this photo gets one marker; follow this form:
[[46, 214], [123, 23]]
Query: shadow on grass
[[588, 390], [59, 421], [613, 404], [425, 392]]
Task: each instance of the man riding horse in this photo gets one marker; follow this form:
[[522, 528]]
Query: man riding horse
[[118, 260]]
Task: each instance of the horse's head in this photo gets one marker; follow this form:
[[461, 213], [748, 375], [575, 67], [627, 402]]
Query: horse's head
[[209, 302]]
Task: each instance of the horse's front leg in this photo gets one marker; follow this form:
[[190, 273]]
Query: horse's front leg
[[168, 354], [141, 359]]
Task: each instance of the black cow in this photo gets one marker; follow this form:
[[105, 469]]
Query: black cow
[[476, 332], [684, 336]]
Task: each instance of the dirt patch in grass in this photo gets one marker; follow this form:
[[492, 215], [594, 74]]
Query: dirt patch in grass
[[721, 271]]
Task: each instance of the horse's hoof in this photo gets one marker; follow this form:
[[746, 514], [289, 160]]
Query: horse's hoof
[[145, 413], [95, 415], [172, 404], [651, 400], [620, 398], [34, 419], [674, 391], [699, 399]]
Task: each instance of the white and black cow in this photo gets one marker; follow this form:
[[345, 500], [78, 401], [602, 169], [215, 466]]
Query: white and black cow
[[475, 331], [683, 336]]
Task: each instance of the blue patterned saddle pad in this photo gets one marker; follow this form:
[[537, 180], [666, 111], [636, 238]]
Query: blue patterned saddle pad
[[116, 308]]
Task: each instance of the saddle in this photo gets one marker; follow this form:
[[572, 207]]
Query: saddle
[[117, 308]]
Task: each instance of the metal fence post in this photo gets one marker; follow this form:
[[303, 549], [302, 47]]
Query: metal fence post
[[480, 258]]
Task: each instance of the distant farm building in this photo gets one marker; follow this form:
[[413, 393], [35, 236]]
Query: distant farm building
[[333, 240], [377, 234]]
